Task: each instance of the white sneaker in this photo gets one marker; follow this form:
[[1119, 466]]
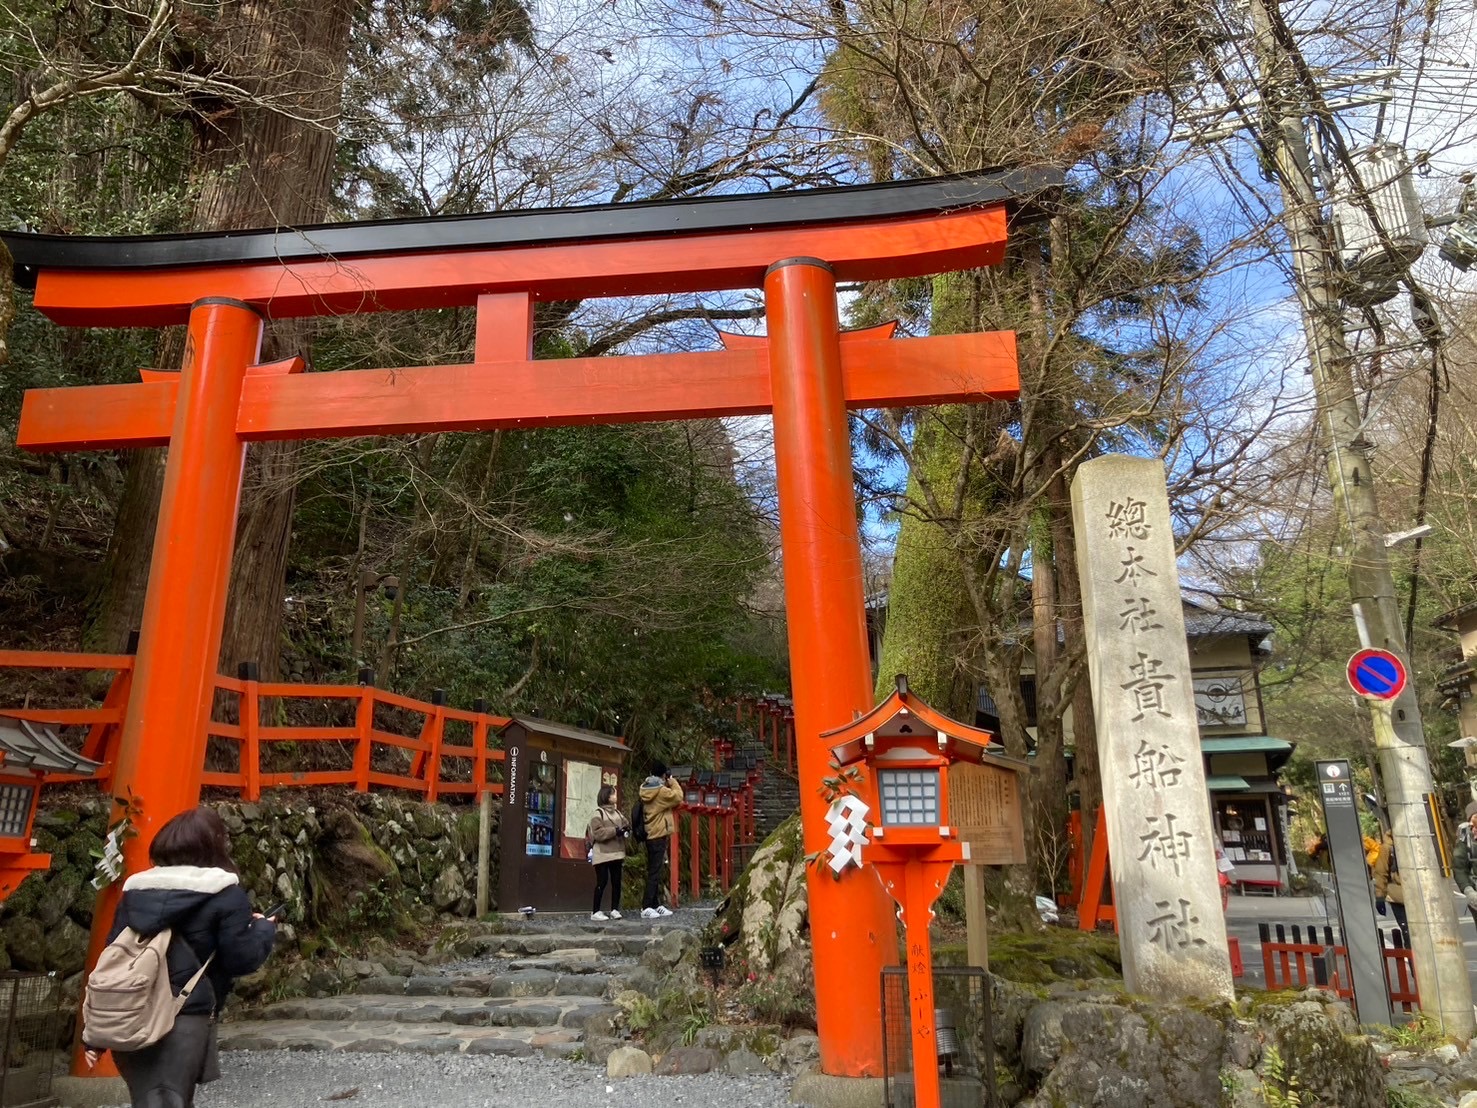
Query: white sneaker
[[663, 910], [614, 914], [598, 917], [650, 913]]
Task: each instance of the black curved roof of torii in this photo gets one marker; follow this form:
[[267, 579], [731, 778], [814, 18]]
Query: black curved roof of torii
[[1022, 190]]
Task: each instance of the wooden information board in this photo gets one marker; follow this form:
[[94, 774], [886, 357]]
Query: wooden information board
[[985, 808]]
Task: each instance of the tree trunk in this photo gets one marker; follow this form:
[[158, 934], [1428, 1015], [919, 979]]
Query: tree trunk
[[117, 607], [926, 602], [263, 161]]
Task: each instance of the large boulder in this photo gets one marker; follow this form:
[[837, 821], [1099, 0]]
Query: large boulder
[[769, 908], [1115, 1057], [62, 894], [65, 949], [1315, 1040], [448, 888], [26, 943]]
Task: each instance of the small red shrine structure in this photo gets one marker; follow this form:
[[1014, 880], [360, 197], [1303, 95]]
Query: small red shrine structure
[[907, 748], [806, 372]]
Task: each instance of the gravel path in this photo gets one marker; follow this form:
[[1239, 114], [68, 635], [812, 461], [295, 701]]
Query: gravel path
[[296, 1080]]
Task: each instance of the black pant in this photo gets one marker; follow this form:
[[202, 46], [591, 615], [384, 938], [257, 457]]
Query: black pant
[[608, 872], [1402, 921], [165, 1075], [656, 862]]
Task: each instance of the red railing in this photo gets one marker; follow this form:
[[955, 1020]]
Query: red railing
[[435, 768], [437, 765], [1301, 963]]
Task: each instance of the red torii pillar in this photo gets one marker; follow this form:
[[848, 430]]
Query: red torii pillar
[[805, 371]]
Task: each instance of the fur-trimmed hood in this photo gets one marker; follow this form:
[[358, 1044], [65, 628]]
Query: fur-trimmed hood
[[192, 879], [210, 917], [165, 895]]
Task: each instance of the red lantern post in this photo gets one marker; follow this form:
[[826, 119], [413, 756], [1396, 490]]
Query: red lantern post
[[907, 748]]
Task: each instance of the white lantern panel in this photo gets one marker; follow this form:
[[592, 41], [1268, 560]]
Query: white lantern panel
[[15, 809], [910, 797]]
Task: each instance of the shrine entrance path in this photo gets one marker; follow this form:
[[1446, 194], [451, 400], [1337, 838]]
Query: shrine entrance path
[[287, 1079]]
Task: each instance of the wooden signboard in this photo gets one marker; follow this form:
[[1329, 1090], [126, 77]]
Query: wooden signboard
[[985, 808]]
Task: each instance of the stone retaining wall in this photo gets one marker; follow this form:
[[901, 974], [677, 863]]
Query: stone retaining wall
[[346, 864]]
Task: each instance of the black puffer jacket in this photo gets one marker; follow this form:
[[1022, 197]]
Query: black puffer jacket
[[209, 914]]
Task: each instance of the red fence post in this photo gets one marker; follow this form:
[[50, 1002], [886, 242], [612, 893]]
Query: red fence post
[[364, 730], [101, 744], [712, 845], [436, 729], [249, 710], [694, 854], [725, 860]]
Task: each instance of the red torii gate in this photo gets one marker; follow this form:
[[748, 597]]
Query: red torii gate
[[795, 246]]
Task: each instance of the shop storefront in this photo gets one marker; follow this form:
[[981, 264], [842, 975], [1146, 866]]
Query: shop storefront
[[552, 775]]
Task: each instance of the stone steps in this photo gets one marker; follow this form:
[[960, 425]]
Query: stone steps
[[536, 945], [392, 1037], [777, 799], [523, 981], [547, 1011], [517, 987]]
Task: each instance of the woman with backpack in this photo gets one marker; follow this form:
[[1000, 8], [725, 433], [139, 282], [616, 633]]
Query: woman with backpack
[[193, 890], [606, 834]]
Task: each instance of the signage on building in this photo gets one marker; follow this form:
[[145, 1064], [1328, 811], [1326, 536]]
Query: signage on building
[[1220, 701]]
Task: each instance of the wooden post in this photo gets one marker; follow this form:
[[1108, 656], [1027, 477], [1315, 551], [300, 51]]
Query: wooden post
[[727, 859], [437, 726], [364, 730], [712, 845], [249, 712], [976, 922], [484, 852], [694, 854]]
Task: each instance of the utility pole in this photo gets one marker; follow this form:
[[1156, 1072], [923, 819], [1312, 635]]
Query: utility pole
[[1399, 738]]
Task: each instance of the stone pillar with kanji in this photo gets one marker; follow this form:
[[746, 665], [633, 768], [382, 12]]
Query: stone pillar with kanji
[[1160, 838]]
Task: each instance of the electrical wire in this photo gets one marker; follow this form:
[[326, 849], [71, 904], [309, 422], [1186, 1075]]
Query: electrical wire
[[1438, 384], [1397, 26], [1420, 69]]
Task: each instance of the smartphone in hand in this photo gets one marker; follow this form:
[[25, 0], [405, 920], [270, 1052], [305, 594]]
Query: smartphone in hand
[[274, 913]]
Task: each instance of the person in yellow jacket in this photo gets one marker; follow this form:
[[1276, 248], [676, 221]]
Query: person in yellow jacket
[[660, 797], [1387, 887]]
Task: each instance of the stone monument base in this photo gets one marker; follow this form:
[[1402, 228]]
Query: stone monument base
[[89, 1092], [821, 1090]]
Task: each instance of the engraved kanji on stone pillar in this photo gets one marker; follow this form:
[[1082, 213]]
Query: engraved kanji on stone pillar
[[1160, 839]]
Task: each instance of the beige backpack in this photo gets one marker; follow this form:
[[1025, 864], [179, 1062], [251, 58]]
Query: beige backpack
[[128, 1003]]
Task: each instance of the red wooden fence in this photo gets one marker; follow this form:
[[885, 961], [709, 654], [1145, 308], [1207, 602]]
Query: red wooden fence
[[437, 768], [361, 741], [1296, 963]]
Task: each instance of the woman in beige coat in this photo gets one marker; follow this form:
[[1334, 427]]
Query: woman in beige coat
[[606, 834]]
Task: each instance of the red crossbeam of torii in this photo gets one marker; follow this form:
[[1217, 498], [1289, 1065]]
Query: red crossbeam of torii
[[504, 387], [805, 371]]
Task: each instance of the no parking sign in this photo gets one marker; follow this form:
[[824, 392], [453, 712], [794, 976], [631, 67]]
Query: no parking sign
[[1377, 673]]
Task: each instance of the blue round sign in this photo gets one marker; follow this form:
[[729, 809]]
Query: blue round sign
[[1377, 673]]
